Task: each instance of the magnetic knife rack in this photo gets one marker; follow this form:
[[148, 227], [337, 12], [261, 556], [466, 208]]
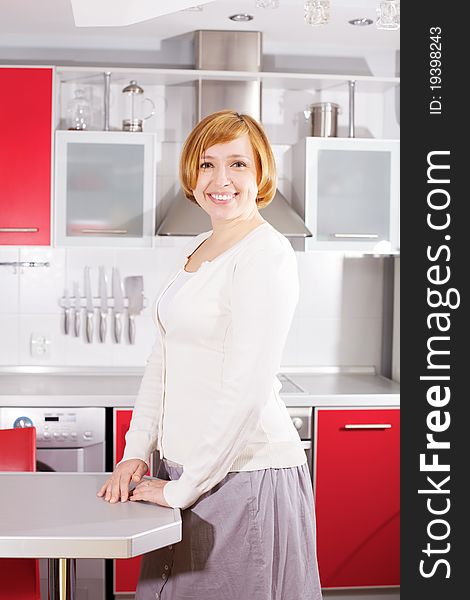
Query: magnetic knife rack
[[96, 300]]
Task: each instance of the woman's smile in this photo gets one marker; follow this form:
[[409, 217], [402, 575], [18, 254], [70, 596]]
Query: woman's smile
[[221, 198]]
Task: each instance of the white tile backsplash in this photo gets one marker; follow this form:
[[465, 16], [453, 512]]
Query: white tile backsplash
[[9, 344], [362, 287], [40, 288], [9, 281], [320, 275], [337, 320], [49, 326], [338, 342]]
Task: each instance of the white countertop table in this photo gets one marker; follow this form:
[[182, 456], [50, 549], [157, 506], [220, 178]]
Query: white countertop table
[[59, 516], [119, 388]]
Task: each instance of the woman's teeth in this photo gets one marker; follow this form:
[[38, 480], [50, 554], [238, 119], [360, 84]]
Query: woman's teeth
[[222, 198]]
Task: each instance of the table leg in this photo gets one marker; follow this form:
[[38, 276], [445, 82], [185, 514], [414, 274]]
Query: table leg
[[62, 579]]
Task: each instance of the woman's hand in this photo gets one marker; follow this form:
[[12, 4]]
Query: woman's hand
[[150, 491], [117, 486]]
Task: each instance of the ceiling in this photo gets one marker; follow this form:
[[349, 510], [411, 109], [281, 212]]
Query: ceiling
[[49, 23]]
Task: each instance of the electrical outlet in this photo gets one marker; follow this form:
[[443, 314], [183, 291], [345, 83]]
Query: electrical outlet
[[40, 345]]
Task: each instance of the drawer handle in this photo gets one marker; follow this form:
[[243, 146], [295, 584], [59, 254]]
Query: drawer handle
[[19, 229], [119, 231], [371, 236], [368, 426]]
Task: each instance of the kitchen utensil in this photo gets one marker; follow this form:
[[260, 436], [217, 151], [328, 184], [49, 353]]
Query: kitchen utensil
[[89, 307], [135, 107], [67, 311], [118, 304], [77, 309], [78, 111], [134, 287], [324, 118], [103, 290]]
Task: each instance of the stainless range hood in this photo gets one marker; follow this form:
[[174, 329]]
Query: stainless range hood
[[229, 51]]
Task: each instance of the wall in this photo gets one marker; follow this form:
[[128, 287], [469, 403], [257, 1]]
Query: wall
[[337, 321]]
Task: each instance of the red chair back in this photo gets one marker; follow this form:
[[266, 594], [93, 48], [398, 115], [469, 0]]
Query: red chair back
[[19, 577], [18, 449]]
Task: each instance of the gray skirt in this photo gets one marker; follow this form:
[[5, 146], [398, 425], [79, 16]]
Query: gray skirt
[[251, 536]]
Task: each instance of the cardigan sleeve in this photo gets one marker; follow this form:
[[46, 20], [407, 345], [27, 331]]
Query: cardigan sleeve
[[264, 294]]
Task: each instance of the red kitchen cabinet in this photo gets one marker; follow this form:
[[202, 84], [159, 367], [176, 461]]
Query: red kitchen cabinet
[[357, 497], [25, 156], [126, 571]]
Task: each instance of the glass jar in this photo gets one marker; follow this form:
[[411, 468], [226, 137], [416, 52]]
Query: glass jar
[[78, 111]]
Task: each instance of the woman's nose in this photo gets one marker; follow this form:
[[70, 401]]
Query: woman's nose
[[221, 176]]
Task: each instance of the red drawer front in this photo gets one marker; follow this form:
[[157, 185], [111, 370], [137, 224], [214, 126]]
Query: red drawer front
[[122, 422], [126, 575], [126, 571], [357, 497], [25, 154]]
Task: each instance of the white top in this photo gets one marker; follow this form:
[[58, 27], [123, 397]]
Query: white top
[[209, 398], [163, 307], [58, 515]]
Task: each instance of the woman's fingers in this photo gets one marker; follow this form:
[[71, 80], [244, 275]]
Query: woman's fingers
[[116, 487], [140, 472], [119, 481], [150, 491], [124, 487], [104, 487]]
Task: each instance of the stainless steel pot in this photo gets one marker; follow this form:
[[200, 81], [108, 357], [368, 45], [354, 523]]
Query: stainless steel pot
[[324, 118]]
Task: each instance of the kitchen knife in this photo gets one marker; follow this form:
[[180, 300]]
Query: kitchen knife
[[118, 304], [67, 310], [103, 304], [77, 309], [134, 287], [89, 307]]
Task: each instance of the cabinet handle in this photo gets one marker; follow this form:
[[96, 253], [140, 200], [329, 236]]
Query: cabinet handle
[[119, 231], [371, 236], [368, 426], [19, 229]]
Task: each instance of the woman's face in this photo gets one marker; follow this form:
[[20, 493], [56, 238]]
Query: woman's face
[[226, 186]]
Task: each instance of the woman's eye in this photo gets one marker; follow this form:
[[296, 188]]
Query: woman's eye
[[239, 163], [205, 165]]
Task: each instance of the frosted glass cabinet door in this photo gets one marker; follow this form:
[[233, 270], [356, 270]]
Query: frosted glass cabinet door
[[104, 191], [349, 188], [353, 195]]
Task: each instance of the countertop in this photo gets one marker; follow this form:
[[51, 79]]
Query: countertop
[[72, 522], [119, 387]]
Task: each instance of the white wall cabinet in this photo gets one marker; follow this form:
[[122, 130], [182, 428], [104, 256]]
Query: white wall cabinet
[[104, 188], [347, 190]]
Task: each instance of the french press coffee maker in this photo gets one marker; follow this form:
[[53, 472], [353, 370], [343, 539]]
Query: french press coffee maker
[[135, 103]]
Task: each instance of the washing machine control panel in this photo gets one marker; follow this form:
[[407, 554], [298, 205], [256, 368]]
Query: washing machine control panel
[[59, 427]]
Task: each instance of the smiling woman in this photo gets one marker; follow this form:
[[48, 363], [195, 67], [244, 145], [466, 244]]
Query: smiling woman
[[209, 400]]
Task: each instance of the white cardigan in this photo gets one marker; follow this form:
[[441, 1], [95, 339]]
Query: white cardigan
[[209, 398]]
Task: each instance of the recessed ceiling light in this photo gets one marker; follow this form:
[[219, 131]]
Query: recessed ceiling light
[[241, 17], [361, 22]]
